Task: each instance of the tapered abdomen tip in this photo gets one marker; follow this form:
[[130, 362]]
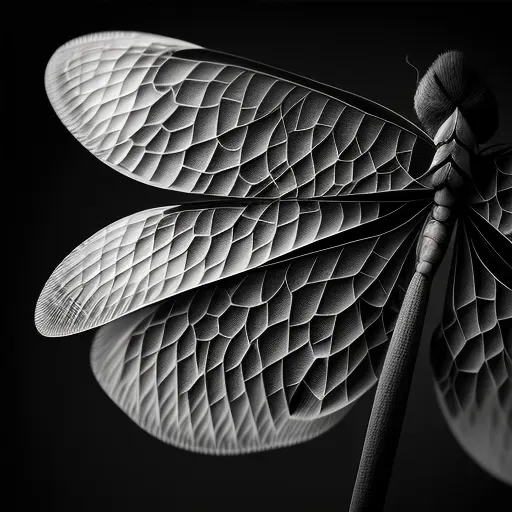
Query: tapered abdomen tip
[[451, 83]]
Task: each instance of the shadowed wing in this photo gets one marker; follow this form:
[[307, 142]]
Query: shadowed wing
[[264, 359], [472, 354], [492, 198], [178, 116]]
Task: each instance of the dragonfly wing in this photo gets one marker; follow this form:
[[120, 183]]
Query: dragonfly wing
[[492, 198], [178, 116], [219, 413], [264, 359], [157, 253], [472, 353]]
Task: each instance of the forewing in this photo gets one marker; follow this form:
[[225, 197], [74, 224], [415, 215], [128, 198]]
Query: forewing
[[177, 116], [493, 195], [472, 353], [157, 253], [264, 359]]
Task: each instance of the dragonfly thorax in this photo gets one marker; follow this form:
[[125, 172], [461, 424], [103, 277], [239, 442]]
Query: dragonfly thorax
[[450, 173], [451, 166]]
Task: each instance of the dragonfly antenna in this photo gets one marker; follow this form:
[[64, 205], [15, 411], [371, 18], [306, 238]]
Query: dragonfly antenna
[[414, 67]]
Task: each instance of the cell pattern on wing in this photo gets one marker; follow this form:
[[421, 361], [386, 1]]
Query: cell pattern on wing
[[472, 360], [211, 128], [263, 359], [493, 195], [157, 253]]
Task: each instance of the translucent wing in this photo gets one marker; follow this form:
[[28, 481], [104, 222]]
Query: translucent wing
[[264, 359], [493, 195], [177, 116], [472, 354], [158, 253]]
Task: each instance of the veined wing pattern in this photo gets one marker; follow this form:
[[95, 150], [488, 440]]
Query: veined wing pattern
[[177, 116], [160, 252], [264, 359], [171, 117], [472, 353], [492, 197]]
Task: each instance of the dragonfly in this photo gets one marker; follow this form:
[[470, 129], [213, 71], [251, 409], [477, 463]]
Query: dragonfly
[[255, 317]]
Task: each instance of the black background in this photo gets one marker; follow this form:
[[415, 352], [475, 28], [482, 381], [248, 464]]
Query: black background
[[72, 448]]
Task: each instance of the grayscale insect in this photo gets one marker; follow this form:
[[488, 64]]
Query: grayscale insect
[[303, 278]]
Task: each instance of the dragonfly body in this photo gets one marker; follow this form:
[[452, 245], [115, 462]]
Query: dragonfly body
[[283, 298], [450, 175]]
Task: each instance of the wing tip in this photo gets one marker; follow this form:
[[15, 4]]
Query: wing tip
[[57, 65], [56, 314]]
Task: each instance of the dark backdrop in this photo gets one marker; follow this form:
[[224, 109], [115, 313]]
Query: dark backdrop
[[72, 448]]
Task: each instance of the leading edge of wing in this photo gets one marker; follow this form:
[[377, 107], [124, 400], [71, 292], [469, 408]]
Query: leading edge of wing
[[352, 99], [143, 106], [154, 254], [193, 51]]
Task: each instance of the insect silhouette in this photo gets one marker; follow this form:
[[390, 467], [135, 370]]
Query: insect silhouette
[[303, 277]]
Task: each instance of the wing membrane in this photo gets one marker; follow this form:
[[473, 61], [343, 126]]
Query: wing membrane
[[472, 354], [148, 387], [175, 116], [158, 253], [493, 197], [264, 359]]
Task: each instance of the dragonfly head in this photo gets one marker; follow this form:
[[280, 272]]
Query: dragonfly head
[[457, 110], [451, 84]]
